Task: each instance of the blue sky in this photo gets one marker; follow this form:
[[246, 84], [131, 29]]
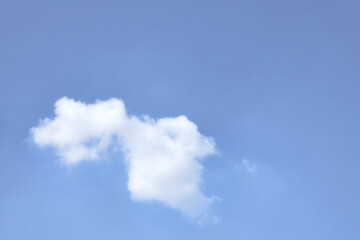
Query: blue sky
[[273, 82]]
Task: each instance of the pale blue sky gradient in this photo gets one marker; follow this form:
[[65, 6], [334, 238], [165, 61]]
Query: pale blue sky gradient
[[274, 82]]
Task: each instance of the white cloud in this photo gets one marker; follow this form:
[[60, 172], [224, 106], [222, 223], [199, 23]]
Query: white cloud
[[163, 156], [247, 165]]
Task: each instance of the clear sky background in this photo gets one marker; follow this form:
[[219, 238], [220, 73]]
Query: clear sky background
[[273, 82]]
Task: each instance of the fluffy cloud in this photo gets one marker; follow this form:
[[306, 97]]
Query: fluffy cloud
[[163, 156]]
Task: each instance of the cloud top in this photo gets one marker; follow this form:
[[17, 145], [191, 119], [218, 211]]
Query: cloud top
[[163, 156]]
